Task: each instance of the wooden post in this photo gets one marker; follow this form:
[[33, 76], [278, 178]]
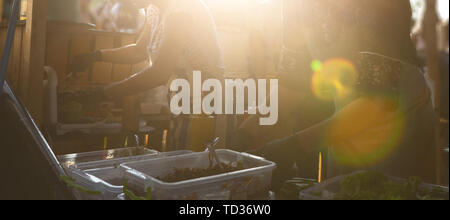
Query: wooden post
[[1, 10], [432, 54], [34, 44]]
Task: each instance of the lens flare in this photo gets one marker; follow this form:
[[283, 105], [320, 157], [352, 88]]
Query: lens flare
[[334, 79], [316, 65], [368, 129], [366, 132]]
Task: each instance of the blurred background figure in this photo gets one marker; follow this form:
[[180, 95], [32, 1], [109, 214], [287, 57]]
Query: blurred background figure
[[364, 61], [300, 107]]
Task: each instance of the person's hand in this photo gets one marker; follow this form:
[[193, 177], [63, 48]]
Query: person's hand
[[81, 62], [284, 153]]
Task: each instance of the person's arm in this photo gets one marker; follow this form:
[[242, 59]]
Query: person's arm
[[353, 120], [357, 117], [177, 28], [130, 54]]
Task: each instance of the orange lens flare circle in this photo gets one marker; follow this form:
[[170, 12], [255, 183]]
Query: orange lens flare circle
[[334, 79], [367, 131]]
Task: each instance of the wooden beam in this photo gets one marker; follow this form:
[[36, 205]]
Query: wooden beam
[[1, 10], [430, 30], [34, 45]]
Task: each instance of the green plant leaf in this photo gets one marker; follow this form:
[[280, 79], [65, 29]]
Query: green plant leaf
[[69, 181]]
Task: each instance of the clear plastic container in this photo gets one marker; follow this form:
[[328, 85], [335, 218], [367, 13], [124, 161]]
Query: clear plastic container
[[175, 153], [328, 189], [105, 158], [253, 181], [105, 177], [116, 163], [107, 181]]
